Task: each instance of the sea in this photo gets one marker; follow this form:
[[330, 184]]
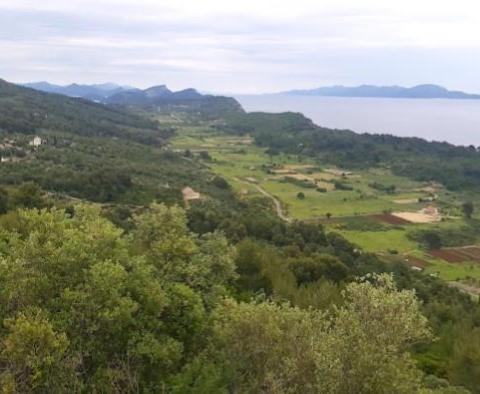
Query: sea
[[451, 120]]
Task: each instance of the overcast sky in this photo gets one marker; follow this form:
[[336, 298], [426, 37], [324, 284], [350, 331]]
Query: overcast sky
[[244, 46]]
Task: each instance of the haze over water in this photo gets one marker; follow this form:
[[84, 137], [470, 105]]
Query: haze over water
[[454, 121]]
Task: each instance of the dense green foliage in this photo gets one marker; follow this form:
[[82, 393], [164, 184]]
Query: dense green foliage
[[104, 311], [108, 170], [436, 237], [87, 308]]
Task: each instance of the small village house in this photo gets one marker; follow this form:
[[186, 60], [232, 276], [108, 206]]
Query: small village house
[[37, 141]]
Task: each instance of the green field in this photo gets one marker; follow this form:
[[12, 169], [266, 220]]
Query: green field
[[382, 241], [247, 167], [235, 158], [454, 272]]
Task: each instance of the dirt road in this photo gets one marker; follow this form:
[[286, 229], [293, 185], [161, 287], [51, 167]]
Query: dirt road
[[276, 202]]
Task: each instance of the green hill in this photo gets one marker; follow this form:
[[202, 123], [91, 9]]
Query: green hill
[[90, 151], [28, 111]]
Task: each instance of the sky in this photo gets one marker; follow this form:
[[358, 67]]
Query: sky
[[246, 46]]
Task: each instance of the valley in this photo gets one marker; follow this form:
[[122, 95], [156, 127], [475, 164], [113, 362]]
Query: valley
[[200, 228], [372, 208], [170, 225]]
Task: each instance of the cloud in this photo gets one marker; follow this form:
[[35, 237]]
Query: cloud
[[240, 46]]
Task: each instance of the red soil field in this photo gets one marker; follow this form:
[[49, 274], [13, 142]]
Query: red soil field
[[390, 219], [415, 262], [458, 255], [472, 251]]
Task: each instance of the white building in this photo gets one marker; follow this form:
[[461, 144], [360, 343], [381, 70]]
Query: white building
[[37, 141]]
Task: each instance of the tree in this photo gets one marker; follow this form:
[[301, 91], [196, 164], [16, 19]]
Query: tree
[[4, 200], [301, 196], [221, 183], [360, 347], [372, 333], [432, 239], [468, 209], [464, 362], [162, 236], [83, 302], [311, 269], [27, 195], [204, 155], [35, 358]]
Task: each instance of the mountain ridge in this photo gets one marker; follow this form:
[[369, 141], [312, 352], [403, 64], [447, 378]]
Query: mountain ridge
[[419, 91], [159, 96], [25, 110], [92, 92]]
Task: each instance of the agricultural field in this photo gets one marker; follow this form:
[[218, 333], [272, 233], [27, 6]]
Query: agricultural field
[[374, 208]]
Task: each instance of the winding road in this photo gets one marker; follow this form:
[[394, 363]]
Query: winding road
[[276, 202]]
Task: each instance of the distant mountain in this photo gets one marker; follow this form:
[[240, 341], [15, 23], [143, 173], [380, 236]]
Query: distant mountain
[[157, 91], [153, 96], [98, 92], [420, 91], [160, 98], [25, 110]]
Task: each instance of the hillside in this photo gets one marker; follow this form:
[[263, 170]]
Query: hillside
[[264, 155], [420, 91], [24, 110], [89, 151], [106, 289], [161, 99], [96, 92], [157, 98]]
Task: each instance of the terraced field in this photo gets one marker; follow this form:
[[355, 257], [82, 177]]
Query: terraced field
[[458, 255], [357, 204]]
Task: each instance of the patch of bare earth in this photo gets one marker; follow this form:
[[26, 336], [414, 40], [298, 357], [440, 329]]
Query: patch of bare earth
[[466, 288], [417, 217], [301, 177], [283, 171], [390, 219], [458, 255], [415, 262], [297, 167], [189, 194], [337, 172], [406, 201]]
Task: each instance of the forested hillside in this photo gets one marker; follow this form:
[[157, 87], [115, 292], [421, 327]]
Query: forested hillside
[[108, 285], [24, 110], [89, 150]]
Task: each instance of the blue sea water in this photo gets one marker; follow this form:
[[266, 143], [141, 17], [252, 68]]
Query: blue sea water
[[454, 121]]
